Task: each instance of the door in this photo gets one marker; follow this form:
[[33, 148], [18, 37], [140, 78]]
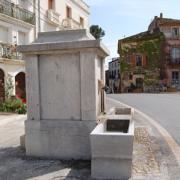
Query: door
[[139, 83]]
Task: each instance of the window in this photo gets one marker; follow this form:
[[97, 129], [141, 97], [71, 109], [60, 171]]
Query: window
[[3, 34], [175, 54], [68, 12], [138, 60], [114, 73], [175, 75], [175, 32], [51, 4], [82, 22], [128, 59], [21, 38]]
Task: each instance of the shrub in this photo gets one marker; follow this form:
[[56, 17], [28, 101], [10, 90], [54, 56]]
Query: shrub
[[14, 106]]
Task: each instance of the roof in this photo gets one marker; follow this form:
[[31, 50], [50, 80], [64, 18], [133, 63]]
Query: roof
[[160, 21], [167, 21], [114, 59], [141, 36]]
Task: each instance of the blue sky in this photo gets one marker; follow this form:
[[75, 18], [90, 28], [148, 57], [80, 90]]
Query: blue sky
[[121, 18]]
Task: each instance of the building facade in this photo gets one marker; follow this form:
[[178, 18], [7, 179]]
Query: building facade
[[114, 75], [168, 69], [171, 30], [20, 23]]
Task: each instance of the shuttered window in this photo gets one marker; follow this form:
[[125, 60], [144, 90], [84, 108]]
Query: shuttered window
[[3, 34], [21, 38]]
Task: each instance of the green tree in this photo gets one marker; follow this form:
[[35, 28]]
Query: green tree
[[97, 31]]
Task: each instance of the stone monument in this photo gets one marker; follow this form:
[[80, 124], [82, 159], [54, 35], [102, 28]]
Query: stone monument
[[64, 80]]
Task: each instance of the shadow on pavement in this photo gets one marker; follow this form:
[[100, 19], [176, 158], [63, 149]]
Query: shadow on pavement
[[14, 164]]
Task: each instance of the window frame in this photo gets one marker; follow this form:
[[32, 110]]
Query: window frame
[[68, 12], [175, 35], [137, 63]]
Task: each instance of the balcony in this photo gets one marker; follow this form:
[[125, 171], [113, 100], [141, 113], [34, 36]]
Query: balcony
[[53, 16], [15, 11], [138, 70], [8, 51], [173, 61], [70, 23]]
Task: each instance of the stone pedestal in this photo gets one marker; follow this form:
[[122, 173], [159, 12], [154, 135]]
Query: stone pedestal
[[64, 100]]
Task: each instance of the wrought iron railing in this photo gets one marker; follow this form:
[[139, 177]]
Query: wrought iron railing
[[8, 51], [70, 23], [173, 61], [17, 12], [138, 70]]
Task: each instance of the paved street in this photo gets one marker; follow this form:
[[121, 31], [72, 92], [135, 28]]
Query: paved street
[[152, 158], [163, 108]]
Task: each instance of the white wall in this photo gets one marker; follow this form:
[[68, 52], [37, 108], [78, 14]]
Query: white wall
[[60, 8]]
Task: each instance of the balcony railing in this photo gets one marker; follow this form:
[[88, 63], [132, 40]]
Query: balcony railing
[[8, 51], [15, 11], [138, 70], [70, 23], [173, 61], [53, 16]]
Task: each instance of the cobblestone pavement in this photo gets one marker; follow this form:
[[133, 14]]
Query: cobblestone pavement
[[152, 158]]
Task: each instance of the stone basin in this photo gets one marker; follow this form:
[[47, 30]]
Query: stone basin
[[120, 113], [112, 149]]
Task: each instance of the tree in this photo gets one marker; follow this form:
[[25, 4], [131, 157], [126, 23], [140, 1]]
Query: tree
[[97, 31]]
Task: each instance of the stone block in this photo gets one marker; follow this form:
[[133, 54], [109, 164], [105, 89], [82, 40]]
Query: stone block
[[59, 139]]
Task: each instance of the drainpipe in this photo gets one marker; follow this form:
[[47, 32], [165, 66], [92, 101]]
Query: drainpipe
[[34, 11], [39, 18]]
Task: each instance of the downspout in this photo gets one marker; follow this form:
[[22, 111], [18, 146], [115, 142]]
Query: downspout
[[39, 18], [34, 10]]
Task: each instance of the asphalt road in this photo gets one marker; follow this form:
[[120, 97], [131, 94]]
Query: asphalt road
[[163, 108]]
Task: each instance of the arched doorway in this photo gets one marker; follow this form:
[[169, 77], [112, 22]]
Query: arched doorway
[[20, 86], [2, 90]]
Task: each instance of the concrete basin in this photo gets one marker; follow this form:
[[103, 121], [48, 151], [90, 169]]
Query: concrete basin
[[112, 149]]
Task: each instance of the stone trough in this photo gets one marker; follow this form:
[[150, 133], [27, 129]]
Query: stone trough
[[121, 113], [112, 146]]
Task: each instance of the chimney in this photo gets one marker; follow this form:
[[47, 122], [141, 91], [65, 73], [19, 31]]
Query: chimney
[[161, 15], [155, 17]]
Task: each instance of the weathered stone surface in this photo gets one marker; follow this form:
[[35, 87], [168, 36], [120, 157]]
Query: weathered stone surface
[[64, 99], [59, 139]]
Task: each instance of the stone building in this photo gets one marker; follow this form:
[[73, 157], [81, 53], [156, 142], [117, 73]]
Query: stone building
[[170, 55], [114, 75], [21, 21], [171, 31]]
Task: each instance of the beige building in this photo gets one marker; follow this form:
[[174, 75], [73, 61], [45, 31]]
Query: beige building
[[20, 22]]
